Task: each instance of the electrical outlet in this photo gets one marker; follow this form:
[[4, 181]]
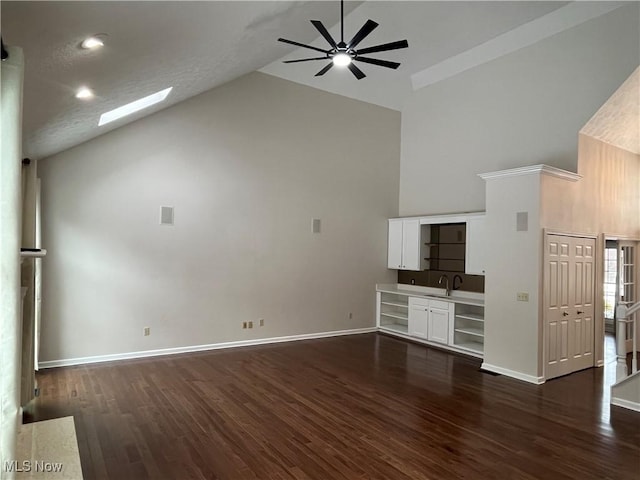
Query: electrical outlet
[[523, 297], [146, 331], [261, 322], [244, 324], [250, 324]]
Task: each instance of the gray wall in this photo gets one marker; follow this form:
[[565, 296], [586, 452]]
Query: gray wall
[[525, 108], [246, 167]]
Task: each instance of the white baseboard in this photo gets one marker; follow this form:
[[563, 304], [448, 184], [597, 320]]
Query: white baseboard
[[66, 362], [513, 374], [621, 402]]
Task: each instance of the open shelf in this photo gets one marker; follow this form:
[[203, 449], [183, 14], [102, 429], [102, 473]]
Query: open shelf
[[476, 347], [478, 332], [468, 328], [396, 327], [395, 304], [393, 312], [471, 316], [398, 316]]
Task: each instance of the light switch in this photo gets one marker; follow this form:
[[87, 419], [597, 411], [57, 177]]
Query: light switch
[[523, 296], [315, 225]]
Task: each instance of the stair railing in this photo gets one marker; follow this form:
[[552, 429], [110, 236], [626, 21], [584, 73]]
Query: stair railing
[[626, 321]]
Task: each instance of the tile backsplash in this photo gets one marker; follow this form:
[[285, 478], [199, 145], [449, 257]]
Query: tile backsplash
[[429, 278]]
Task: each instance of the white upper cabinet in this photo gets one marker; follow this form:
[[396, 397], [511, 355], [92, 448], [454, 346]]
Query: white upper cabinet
[[404, 244], [394, 258], [477, 237]]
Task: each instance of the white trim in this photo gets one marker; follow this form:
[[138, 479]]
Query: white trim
[[551, 231], [564, 18], [621, 402], [513, 374], [540, 169], [199, 348], [428, 219]]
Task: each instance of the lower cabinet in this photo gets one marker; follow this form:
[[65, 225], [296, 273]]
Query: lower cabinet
[[419, 317], [429, 319], [438, 325], [457, 325]]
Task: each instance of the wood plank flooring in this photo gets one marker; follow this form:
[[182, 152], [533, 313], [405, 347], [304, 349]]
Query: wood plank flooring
[[357, 407]]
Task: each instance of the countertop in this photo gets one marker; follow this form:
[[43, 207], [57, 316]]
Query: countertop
[[457, 296]]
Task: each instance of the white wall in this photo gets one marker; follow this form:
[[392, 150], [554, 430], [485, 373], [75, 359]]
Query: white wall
[[246, 167], [522, 109], [513, 262], [12, 72]]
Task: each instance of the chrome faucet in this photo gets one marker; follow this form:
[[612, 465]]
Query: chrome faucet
[[457, 277], [447, 289]]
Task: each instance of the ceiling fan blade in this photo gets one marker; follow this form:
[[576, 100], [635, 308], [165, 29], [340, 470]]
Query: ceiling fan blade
[[359, 74], [384, 47], [304, 59], [366, 29], [324, 70], [380, 63], [302, 45], [323, 31]]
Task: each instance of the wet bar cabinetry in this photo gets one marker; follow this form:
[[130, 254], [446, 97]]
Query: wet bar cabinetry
[[452, 243], [426, 315]]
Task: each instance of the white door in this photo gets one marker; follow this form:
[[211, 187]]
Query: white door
[[438, 325], [627, 280], [418, 317], [569, 277], [394, 258], [411, 245]]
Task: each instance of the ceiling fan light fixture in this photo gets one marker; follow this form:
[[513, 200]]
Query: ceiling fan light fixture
[[341, 59], [93, 42]]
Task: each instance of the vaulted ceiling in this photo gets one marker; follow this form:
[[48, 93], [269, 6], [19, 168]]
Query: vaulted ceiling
[[196, 46]]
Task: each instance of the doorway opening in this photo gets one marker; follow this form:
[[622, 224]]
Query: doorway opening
[[619, 288], [610, 287]]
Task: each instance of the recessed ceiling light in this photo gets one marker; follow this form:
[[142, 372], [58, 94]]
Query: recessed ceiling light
[[133, 107], [84, 93], [95, 41]]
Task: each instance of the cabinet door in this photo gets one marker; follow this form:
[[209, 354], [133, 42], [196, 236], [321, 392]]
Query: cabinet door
[[394, 258], [411, 245], [475, 250], [418, 317], [438, 327]]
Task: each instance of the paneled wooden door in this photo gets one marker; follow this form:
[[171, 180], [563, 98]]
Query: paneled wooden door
[[569, 289]]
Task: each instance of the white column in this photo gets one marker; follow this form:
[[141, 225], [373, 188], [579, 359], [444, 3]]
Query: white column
[[11, 75]]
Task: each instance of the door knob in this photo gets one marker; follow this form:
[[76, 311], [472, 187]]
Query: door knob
[[565, 314]]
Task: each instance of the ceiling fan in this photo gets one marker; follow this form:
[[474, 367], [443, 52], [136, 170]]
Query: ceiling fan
[[344, 54]]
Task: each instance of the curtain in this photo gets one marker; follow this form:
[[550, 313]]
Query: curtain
[[11, 74]]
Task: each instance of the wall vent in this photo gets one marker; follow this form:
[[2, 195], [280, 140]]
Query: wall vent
[[166, 215]]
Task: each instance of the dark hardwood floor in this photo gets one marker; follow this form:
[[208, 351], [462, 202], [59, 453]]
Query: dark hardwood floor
[[356, 407]]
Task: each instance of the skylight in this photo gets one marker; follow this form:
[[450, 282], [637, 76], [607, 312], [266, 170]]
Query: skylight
[[133, 107]]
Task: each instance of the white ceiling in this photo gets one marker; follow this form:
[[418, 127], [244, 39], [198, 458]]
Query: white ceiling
[[195, 46]]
